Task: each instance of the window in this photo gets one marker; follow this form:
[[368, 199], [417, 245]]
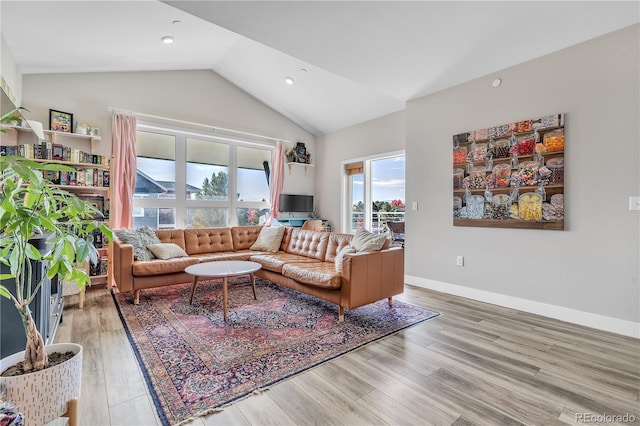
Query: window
[[374, 192], [191, 180]]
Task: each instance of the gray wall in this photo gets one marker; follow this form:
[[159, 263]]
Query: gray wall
[[382, 135], [196, 96], [593, 265]]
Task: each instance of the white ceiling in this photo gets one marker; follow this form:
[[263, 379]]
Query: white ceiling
[[351, 61]]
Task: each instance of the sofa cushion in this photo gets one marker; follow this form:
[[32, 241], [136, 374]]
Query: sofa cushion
[[175, 236], [319, 274], [244, 236], [364, 240], [162, 267], [166, 250], [269, 239], [286, 238], [139, 238], [311, 244], [336, 243], [274, 262], [207, 240], [223, 255]]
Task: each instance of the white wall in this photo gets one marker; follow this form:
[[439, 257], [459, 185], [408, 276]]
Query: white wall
[[588, 273], [378, 136], [10, 76], [196, 96]]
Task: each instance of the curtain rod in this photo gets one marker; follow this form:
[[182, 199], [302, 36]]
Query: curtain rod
[[140, 114]]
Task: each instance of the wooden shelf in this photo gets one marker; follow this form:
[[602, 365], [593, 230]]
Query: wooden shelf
[[520, 158], [541, 130], [510, 223], [305, 165], [83, 188], [53, 133], [72, 164], [508, 189], [98, 277]]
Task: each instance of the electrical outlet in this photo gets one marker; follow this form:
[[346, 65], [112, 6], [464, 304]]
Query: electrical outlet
[[460, 261]]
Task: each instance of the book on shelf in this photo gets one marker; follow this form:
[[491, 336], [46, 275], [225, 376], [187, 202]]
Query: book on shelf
[[54, 151], [64, 178], [57, 151], [99, 203]]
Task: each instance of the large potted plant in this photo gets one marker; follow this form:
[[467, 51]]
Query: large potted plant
[[32, 209]]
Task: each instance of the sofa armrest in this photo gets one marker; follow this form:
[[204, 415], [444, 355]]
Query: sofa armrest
[[123, 265], [372, 276]]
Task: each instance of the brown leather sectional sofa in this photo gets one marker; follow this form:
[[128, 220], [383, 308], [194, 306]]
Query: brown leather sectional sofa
[[304, 263]]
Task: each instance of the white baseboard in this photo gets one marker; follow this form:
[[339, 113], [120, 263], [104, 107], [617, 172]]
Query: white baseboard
[[587, 319]]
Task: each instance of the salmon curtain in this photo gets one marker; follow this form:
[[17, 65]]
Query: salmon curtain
[[124, 150], [276, 179]]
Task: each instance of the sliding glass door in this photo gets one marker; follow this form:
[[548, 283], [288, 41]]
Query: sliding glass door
[[374, 192]]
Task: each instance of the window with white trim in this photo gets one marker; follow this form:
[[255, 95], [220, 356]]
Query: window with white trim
[[186, 179]]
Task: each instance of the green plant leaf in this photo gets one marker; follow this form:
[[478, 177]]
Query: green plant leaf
[[4, 292], [8, 205], [32, 252], [53, 269]]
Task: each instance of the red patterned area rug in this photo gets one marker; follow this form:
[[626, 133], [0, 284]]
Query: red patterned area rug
[[195, 363]]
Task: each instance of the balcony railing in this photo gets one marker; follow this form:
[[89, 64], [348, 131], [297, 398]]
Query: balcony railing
[[379, 220]]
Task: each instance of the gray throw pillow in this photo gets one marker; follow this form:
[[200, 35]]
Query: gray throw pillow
[[139, 239]]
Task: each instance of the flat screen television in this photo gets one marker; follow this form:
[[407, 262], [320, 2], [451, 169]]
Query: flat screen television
[[295, 203]]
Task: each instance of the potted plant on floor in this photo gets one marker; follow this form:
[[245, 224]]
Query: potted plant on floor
[[32, 209]]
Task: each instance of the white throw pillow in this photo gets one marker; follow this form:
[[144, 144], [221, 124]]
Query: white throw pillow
[[340, 257], [364, 240], [166, 250], [269, 239]]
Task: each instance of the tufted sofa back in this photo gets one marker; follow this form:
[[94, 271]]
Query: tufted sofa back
[[207, 240], [244, 236], [308, 243], [175, 236], [336, 243]]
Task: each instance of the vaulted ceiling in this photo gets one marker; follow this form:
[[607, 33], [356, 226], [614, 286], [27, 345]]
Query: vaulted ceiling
[[350, 61]]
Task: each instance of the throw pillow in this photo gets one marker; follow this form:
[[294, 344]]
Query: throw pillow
[[166, 250], [139, 239], [340, 257], [269, 239], [364, 240]]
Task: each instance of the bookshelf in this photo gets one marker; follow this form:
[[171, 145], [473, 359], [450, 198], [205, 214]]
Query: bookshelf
[[90, 180]]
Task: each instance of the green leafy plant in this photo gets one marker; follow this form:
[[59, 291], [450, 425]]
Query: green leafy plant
[[31, 207]]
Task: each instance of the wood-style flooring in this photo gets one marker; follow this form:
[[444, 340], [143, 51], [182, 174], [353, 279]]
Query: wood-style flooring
[[476, 364]]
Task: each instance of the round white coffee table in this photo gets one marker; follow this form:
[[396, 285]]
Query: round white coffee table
[[223, 269]]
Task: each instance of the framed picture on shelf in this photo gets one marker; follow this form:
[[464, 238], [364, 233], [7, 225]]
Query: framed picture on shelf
[[60, 121], [96, 201], [87, 129]]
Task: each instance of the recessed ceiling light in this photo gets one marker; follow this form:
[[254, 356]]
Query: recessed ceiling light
[[289, 80], [167, 39], [497, 82]]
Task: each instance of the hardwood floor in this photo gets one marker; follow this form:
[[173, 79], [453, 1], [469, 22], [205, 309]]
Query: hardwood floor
[[476, 364]]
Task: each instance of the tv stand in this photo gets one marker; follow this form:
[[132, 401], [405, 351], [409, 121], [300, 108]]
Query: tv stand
[[297, 222]]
